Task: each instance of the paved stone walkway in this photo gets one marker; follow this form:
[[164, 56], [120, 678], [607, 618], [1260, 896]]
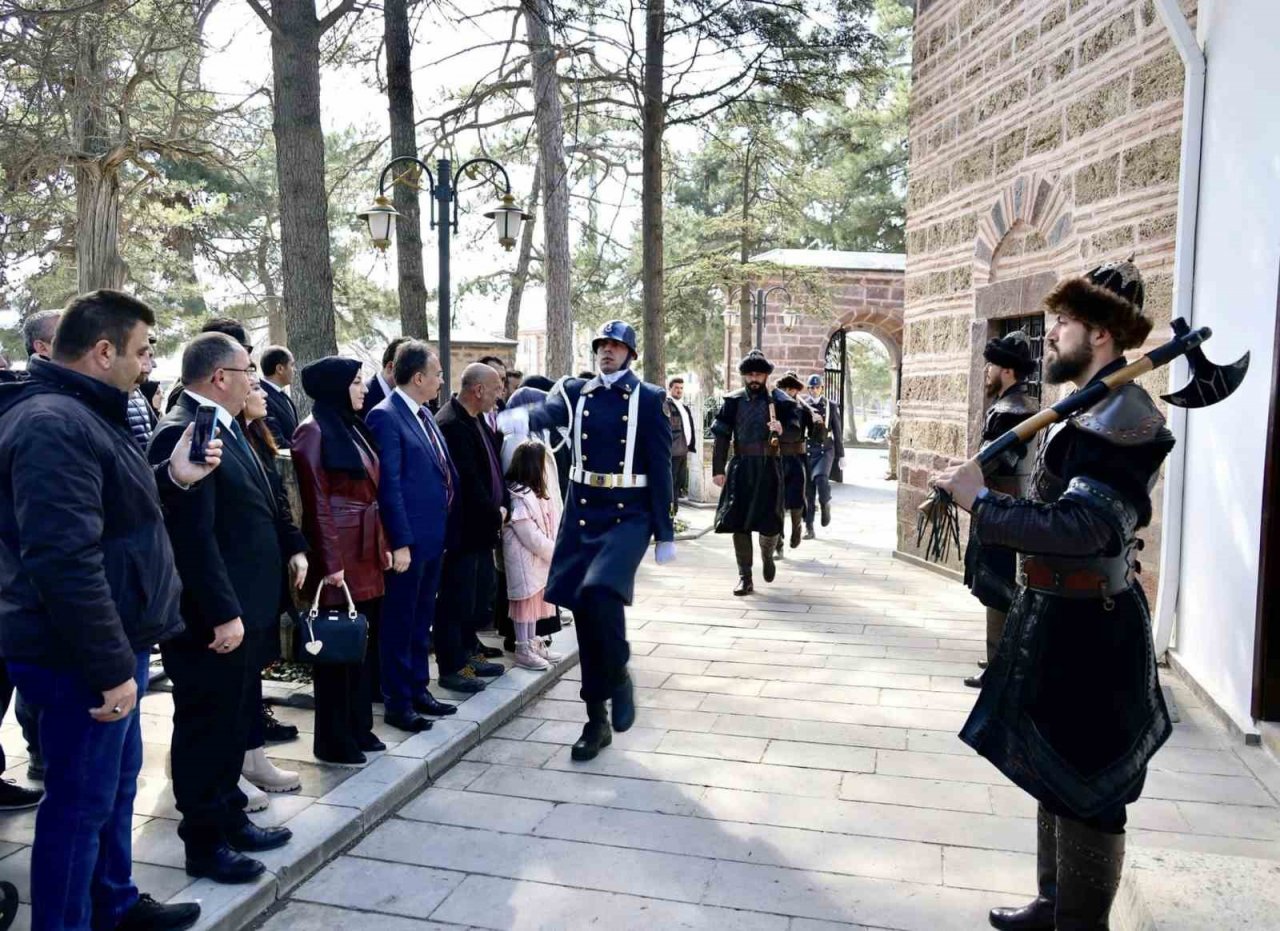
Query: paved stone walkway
[[794, 766]]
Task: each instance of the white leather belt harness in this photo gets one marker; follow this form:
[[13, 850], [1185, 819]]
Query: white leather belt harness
[[623, 479]]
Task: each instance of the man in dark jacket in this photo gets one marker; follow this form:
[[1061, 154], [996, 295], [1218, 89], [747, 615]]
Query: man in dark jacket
[[989, 571], [282, 413], [87, 587], [475, 526], [230, 543], [684, 440], [1071, 709]]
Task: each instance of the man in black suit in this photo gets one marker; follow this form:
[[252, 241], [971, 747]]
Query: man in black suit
[[227, 537], [383, 383], [282, 413], [475, 520]]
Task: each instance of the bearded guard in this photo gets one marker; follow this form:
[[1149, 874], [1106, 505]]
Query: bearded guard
[[751, 496], [826, 451], [619, 498], [792, 447], [989, 571], [1071, 709]]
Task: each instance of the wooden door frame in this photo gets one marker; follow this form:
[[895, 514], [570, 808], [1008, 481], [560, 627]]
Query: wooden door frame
[[1266, 640]]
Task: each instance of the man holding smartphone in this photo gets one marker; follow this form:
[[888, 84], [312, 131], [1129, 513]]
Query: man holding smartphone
[[87, 587]]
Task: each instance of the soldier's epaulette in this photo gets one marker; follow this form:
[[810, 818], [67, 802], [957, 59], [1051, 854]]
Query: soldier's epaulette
[[1125, 417]]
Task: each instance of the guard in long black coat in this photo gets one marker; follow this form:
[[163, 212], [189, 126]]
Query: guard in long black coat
[[795, 456], [619, 499], [1071, 709]]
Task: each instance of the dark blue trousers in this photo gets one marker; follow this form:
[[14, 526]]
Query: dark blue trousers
[[603, 651], [82, 859], [408, 615]]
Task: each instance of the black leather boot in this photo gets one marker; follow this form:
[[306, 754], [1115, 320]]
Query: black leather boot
[[624, 704], [1089, 865], [808, 532], [826, 513], [797, 521], [745, 585], [770, 569], [1038, 915], [596, 735]]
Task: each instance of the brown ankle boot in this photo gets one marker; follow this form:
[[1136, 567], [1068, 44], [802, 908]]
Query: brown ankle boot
[[1038, 914]]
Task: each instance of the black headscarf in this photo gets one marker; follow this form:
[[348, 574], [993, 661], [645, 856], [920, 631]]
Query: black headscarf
[[327, 382]]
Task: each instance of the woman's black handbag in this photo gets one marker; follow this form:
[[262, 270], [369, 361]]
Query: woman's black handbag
[[332, 637]]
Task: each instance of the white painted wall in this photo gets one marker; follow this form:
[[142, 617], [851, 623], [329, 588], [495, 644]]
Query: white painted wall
[[1236, 272]]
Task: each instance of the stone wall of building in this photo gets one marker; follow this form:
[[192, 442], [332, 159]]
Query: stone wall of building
[[1045, 138]]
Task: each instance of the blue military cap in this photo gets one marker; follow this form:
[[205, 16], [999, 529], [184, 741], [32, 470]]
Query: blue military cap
[[619, 332], [815, 380]]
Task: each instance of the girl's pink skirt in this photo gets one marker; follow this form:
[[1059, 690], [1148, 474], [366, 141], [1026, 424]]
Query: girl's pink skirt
[[530, 610]]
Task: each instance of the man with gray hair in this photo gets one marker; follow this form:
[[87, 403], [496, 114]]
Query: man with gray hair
[[38, 330], [226, 536]]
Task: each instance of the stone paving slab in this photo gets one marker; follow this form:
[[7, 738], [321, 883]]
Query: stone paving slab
[[794, 766]]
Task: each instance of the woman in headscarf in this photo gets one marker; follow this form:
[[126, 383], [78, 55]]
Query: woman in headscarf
[[336, 459]]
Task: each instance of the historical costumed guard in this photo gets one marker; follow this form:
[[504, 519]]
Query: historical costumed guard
[[751, 488], [795, 455], [826, 448], [1070, 708], [989, 571], [619, 498]]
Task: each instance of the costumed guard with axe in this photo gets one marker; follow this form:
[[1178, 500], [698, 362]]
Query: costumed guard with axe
[[1070, 708], [751, 485]]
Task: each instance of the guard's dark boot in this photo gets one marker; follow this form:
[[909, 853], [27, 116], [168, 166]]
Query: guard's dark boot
[[1089, 864], [1038, 915], [769, 568], [826, 513], [808, 532], [624, 704], [596, 735], [745, 585], [796, 522], [777, 550]]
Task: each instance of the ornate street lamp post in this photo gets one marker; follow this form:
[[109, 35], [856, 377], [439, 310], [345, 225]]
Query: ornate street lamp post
[[507, 219], [789, 317]]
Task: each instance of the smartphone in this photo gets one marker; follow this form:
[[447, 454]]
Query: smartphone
[[206, 417]]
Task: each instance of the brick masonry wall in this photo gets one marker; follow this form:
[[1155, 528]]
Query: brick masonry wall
[[1044, 139]]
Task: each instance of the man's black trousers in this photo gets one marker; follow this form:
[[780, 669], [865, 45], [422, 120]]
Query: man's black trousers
[[463, 607], [603, 651]]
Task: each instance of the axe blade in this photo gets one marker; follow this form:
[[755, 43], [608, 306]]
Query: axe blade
[[1209, 383]]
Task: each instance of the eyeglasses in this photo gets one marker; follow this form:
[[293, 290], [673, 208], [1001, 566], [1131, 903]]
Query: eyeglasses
[[251, 370]]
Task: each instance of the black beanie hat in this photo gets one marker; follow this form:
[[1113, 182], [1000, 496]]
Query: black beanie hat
[[754, 361], [1012, 351]]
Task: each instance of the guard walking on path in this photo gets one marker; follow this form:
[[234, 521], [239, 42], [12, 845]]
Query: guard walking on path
[[795, 456], [1071, 708], [751, 492], [826, 452], [619, 498]]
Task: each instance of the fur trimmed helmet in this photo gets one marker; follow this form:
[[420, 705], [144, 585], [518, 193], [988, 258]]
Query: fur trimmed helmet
[[1109, 297], [755, 361], [790, 380], [1012, 351]]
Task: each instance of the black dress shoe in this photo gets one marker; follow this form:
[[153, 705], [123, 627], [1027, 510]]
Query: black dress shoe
[[369, 743], [249, 838], [409, 721], [487, 652], [274, 731], [351, 756], [486, 670], [624, 705], [14, 797], [770, 569], [429, 704], [974, 682], [147, 914], [595, 736], [745, 585], [224, 865], [464, 681], [1036, 916]]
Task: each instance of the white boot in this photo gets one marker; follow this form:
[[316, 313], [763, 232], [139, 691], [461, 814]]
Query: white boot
[[542, 648], [527, 656], [259, 770], [258, 800]]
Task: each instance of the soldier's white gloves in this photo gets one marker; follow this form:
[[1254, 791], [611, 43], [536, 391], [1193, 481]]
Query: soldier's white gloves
[[514, 422], [664, 553]]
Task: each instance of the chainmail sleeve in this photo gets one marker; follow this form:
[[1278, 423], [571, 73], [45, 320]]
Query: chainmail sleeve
[[1090, 519]]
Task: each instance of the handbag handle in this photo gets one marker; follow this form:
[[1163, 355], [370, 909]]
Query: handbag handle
[[315, 604]]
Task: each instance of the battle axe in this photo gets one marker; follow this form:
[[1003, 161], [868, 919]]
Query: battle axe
[[1209, 384]]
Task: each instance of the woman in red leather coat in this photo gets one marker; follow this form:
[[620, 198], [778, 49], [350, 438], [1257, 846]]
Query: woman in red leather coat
[[336, 461]]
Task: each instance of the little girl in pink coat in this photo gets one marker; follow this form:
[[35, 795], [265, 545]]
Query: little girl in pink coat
[[528, 541]]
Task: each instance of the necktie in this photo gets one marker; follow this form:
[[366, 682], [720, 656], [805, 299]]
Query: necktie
[[441, 458]]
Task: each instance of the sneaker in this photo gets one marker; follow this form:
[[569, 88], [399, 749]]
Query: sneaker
[[543, 648], [147, 914], [528, 658], [14, 797]]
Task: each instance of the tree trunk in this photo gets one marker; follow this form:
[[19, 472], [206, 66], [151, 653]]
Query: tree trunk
[[511, 328], [747, 335], [413, 288], [98, 262], [654, 123], [556, 259], [306, 274], [277, 331]]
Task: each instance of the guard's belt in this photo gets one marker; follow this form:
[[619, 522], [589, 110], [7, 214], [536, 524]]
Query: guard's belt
[[792, 449], [1099, 577], [754, 449], [608, 479]]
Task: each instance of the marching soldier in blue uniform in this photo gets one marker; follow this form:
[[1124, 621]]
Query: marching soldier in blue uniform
[[619, 498], [826, 451]]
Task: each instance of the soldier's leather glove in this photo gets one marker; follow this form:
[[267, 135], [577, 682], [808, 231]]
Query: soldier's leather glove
[[664, 553], [514, 422]]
